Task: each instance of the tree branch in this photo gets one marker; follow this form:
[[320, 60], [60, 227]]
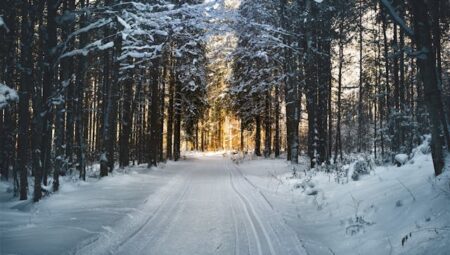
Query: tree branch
[[397, 19]]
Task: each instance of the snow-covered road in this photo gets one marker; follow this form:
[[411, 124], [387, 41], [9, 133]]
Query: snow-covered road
[[206, 204], [209, 207]]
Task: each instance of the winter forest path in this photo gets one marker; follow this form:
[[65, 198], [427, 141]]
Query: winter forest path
[[208, 207]]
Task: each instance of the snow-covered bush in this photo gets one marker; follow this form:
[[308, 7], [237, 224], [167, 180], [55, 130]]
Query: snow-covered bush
[[362, 167], [401, 159], [308, 187], [7, 96]]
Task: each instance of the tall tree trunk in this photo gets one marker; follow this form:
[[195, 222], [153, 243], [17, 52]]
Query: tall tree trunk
[[49, 82], [242, 135], [427, 67], [395, 66], [170, 113], [7, 134], [323, 88], [267, 126], [154, 117], [177, 122], [436, 35], [70, 103], [81, 83], [386, 87], [25, 89], [258, 136], [127, 118], [291, 94], [113, 104], [105, 114], [311, 88], [360, 94], [337, 146], [402, 130], [161, 111], [277, 122]]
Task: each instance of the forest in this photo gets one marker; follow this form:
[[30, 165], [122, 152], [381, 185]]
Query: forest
[[123, 81], [92, 87]]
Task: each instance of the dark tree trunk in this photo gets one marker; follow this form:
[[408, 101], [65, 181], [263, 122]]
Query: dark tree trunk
[[81, 83], [162, 110], [395, 66], [337, 146], [277, 122], [360, 94], [435, 11], [242, 136], [258, 136], [154, 117], [127, 118], [105, 115], [170, 114], [70, 103], [427, 67], [113, 104], [42, 130], [267, 126], [386, 88], [311, 90], [177, 122], [291, 94], [324, 79], [7, 147], [25, 89]]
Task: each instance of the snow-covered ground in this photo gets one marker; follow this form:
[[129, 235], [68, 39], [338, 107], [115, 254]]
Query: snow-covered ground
[[80, 211], [207, 204], [394, 210], [201, 205]]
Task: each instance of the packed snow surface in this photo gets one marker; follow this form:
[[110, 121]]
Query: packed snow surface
[[210, 204]]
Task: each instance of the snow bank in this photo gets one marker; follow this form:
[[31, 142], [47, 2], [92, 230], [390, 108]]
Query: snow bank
[[392, 210], [79, 211], [7, 96]]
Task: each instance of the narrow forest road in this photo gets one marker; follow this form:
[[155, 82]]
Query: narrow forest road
[[209, 207]]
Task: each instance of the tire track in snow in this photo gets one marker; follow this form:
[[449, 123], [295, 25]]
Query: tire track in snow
[[278, 226], [236, 231], [163, 221], [253, 185], [165, 225], [104, 243], [253, 218]]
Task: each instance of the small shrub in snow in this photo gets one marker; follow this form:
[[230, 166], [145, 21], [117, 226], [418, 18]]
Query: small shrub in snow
[[309, 188], [357, 226], [342, 173], [361, 167]]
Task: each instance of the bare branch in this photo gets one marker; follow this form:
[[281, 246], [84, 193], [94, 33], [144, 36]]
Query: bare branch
[[396, 18]]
